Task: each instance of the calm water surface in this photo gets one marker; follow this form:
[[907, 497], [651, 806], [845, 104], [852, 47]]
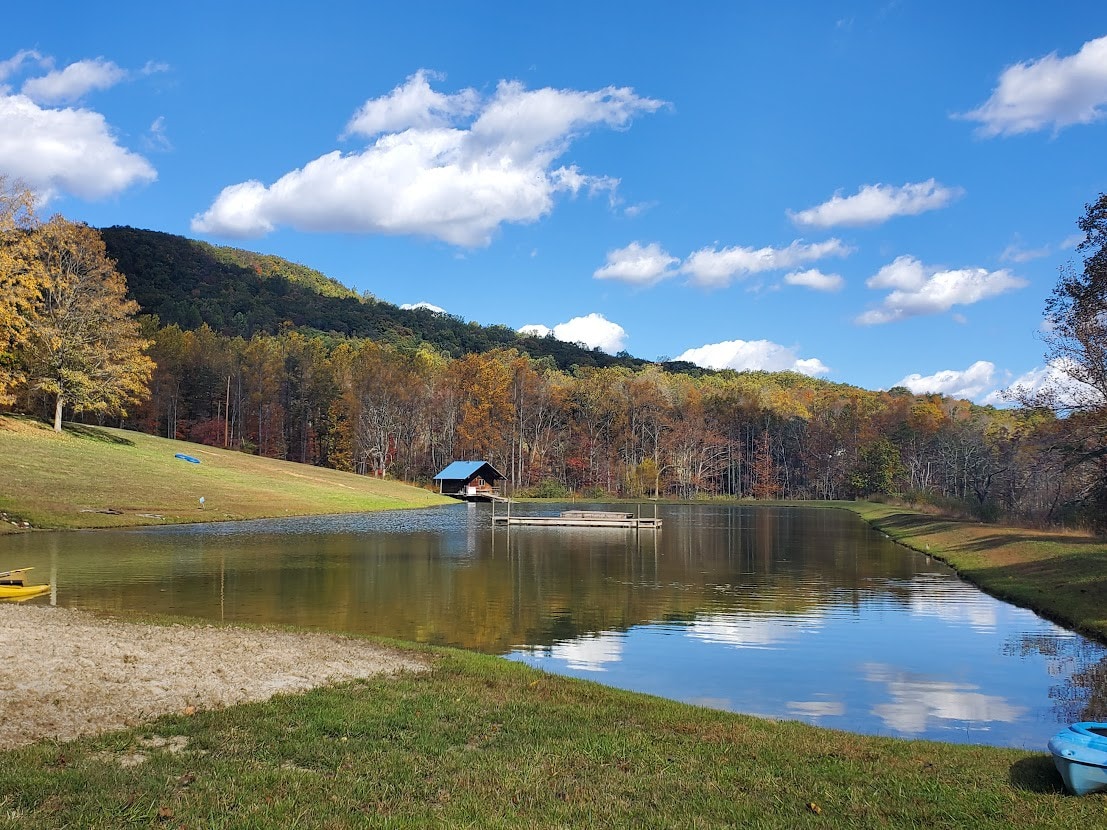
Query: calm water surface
[[784, 612]]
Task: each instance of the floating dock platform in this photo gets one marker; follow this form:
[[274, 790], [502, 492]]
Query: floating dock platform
[[583, 518]]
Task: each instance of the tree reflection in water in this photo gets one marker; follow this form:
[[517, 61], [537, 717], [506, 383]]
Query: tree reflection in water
[[1081, 693]]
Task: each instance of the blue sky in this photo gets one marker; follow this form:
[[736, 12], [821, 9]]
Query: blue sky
[[873, 193]]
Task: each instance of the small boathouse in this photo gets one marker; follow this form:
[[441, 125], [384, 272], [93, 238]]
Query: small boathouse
[[471, 480]]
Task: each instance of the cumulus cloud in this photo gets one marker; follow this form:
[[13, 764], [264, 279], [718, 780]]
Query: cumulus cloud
[[1056, 384], [63, 149], [452, 167], [753, 355], [63, 86], [70, 150], [816, 279], [716, 268], [968, 383], [920, 289], [593, 331], [1049, 92], [536, 330], [424, 306], [637, 264], [876, 203], [412, 104]]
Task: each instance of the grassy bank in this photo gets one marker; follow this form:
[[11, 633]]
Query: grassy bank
[[480, 741], [1062, 576], [94, 477]]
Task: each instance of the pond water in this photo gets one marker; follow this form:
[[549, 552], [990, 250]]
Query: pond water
[[806, 614]]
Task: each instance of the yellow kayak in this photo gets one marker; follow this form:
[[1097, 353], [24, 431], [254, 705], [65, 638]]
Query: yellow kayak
[[12, 587], [22, 591]]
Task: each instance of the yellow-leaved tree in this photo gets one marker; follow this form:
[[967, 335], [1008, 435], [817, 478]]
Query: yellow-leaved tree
[[20, 277], [82, 342]]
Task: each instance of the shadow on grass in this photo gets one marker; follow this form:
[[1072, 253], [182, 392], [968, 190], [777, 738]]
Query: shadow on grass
[[1036, 775], [96, 434], [919, 525]]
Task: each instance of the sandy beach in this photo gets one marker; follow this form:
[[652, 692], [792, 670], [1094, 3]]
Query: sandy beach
[[69, 673]]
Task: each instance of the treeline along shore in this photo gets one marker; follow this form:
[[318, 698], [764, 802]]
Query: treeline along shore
[[249, 352]]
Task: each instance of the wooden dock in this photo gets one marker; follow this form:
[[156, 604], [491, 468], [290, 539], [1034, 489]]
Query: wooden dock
[[583, 518]]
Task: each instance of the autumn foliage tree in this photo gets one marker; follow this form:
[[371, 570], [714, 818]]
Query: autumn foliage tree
[[1076, 337], [20, 276], [82, 343]]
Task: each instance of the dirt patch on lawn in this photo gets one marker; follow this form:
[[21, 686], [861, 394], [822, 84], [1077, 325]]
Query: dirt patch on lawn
[[67, 673]]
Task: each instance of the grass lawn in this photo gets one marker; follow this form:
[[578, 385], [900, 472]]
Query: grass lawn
[[482, 742], [97, 477]]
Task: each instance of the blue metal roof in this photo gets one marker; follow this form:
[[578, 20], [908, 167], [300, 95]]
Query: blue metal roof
[[460, 470]]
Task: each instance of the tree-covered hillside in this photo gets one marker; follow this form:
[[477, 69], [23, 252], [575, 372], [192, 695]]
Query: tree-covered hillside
[[237, 293]]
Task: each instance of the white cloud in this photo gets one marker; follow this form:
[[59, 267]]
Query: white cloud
[[1057, 382], [13, 64], [536, 330], [593, 331], [636, 210], [153, 68], [71, 150], [156, 137], [875, 203], [1017, 252], [717, 268], [968, 383], [816, 279], [63, 149], [1050, 91], [637, 264], [753, 355], [451, 167], [422, 305], [921, 289], [66, 85], [412, 104]]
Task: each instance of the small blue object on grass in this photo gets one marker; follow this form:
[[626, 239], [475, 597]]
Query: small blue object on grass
[[1080, 753], [187, 458]]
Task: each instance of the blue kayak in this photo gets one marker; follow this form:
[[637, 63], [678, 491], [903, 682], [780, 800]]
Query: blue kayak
[[1080, 753], [190, 459]]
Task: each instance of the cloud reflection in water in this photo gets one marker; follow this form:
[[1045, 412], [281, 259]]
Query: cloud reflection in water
[[916, 700]]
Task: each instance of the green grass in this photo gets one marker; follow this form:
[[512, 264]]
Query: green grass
[[481, 742], [96, 477]]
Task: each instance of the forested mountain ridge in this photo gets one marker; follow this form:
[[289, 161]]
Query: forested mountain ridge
[[189, 283]]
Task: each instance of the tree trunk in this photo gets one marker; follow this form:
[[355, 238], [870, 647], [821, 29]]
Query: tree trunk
[[58, 413]]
